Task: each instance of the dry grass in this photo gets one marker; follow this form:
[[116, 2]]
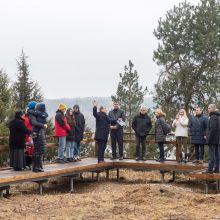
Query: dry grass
[[138, 195]]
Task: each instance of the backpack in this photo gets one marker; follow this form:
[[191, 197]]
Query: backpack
[[166, 128]]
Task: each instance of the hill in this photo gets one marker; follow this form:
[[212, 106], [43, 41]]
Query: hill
[[85, 106]]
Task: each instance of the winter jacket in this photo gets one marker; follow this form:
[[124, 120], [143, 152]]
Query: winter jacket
[[198, 128], [102, 125], [61, 125], [71, 122], [141, 125], [114, 115], [160, 127], [214, 128], [80, 125], [18, 131], [181, 127], [38, 134]]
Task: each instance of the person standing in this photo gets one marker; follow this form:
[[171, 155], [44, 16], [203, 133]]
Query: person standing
[[160, 134], [18, 131], [141, 124], [198, 128], [117, 119], [61, 129], [181, 132], [79, 130], [70, 139], [213, 139], [38, 119], [102, 129]]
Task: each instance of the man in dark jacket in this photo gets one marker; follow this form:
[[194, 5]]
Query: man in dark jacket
[[198, 128], [117, 119], [141, 125], [102, 129], [79, 130], [18, 130], [213, 139]]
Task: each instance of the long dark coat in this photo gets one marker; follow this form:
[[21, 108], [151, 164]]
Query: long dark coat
[[214, 129], [198, 128], [80, 125], [102, 125], [38, 135], [18, 130], [160, 127]]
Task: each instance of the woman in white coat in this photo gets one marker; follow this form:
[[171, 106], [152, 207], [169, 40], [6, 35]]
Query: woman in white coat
[[181, 132]]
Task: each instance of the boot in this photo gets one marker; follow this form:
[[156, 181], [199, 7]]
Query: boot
[[37, 164], [41, 164]]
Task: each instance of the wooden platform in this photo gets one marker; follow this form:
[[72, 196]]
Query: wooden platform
[[9, 176]]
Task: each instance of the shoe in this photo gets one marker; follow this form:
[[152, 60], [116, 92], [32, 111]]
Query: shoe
[[160, 160], [208, 171], [216, 171], [74, 159], [59, 160], [195, 161], [121, 158], [101, 161], [144, 158], [17, 169], [137, 158], [78, 158], [113, 158]]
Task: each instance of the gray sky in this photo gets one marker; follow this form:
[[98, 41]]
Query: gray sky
[[77, 48]]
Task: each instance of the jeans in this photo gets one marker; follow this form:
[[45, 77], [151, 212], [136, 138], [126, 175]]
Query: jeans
[[140, 141], [117, 136], [77, 148], [61, 147], [161, 148], [101, 150], [213, 158], [199, 148], [70, 147]]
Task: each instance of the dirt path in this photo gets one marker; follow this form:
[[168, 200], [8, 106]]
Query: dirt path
[[138, 195]]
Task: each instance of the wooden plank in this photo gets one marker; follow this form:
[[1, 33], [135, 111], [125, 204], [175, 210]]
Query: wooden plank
[[204, 176]]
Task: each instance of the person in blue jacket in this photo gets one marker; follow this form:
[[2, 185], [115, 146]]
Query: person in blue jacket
[[198, 128]]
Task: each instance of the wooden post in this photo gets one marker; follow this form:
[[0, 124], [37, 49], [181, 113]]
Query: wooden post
[[71, 184], [118, 174], [97, 177], [107, 174], [162, 176]]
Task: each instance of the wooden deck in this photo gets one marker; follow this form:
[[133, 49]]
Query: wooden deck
[[9, 176]]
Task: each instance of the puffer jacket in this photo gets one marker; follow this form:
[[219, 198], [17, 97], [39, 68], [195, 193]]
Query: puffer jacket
[[61, 125], [141, 124], [214, 128], [160, 126], [198, 128]]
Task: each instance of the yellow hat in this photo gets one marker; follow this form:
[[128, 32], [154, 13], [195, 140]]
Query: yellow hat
[[62, 106]]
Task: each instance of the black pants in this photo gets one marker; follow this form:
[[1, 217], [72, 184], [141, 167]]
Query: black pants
[[101, 150], [161, 148], [213, 158], [117, 136], [140, 141]]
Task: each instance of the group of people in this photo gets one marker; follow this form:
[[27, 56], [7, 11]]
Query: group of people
[[70, 126], [203, 129]]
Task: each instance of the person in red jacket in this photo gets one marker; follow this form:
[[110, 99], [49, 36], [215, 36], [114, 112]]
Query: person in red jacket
[[61, 129]]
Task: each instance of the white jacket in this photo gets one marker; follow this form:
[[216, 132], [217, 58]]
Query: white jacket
[[181, 126]]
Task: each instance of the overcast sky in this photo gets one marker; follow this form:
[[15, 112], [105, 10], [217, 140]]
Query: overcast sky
[[77, 48]]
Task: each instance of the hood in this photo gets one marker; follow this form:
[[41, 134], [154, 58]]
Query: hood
[[41, 107]]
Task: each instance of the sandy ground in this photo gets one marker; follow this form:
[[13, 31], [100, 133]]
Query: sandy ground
[[138, 195]]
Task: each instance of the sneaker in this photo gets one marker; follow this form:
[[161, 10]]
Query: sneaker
[[74, 159]]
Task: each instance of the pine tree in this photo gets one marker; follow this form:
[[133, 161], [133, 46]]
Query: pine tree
[[129, 93], [25, 89], [189, 54], [5, 96]]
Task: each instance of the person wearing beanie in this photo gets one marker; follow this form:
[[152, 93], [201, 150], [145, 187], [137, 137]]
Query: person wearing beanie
[[79, 130], [18, 131], [31, 105], [61, 129], [37, 117]]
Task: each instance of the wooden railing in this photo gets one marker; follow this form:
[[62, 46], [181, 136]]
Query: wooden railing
[[88, 138]]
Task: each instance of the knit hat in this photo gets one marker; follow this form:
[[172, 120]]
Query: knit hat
[[62, 106], [32, 104], [76, 106], [41, 107]]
